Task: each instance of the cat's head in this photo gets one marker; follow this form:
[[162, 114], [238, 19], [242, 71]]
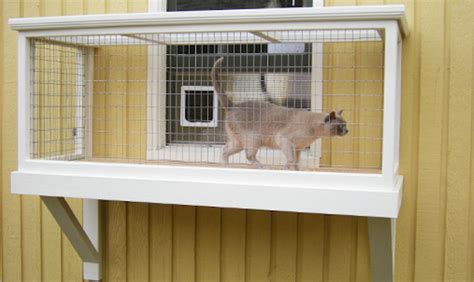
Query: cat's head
[[336, 123]]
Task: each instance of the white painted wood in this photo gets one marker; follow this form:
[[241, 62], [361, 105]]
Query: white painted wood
[[264, 177], [156, 73], [382, 252], [155, 101], [223, 26], [318, 3], [182, 111], [338, 13], [80, 122], [89, 100], [155, 6], [91, 215], [327, 200], [398, 98], [156, 90], [317, 75], [25, 52], [390, 104], [71, 227]]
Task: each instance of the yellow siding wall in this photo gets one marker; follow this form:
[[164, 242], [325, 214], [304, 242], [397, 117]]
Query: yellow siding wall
[[435, 236]]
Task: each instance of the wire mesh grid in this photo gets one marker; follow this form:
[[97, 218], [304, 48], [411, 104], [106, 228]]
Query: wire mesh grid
[[149, 98]]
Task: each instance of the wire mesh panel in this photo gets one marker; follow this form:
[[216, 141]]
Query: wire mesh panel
[[299, 99], [57, 101]]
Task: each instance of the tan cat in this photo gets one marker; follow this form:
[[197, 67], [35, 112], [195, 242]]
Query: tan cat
[[251, 125]]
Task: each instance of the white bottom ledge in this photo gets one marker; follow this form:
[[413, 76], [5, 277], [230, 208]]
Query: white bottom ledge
[[381, 202]]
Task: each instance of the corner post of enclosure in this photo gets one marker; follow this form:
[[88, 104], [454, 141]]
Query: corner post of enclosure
[[89, 100], [398, 103], [156, 89], [317, 86], [390, 113], [23, 108]]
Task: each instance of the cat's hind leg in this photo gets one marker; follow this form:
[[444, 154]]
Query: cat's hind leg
[[233, 145], [292, 156], [251, 154], [230, 149]]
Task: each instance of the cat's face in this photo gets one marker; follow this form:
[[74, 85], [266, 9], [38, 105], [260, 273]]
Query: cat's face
[[336, 123]]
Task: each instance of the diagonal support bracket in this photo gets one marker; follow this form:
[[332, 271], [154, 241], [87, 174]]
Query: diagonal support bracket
[[84, 240], [71, 227]]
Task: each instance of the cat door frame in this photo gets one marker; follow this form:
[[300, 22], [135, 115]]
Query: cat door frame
[[183, 105]]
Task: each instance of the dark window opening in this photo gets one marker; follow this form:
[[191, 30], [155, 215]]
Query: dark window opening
[[199, 106]]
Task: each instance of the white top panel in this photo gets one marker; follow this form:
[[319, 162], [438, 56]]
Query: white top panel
[[340, 13]]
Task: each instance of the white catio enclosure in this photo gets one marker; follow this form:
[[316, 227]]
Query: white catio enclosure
[[122, 107]]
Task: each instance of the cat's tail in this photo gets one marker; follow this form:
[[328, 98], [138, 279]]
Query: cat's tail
[[216, 82], [263, 87]]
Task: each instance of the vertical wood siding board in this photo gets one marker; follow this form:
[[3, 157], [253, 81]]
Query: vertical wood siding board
[[51, 247], [458, 162], [31, 238], [471, 196], [283, 248], [310, 252], [415, 160], [149, 251], [298, 260], [341, 248], [406, 223], [445, 147], [161, 242], [30, 205], [208, 242], [363, 251], [116, 242], [1, 138], [355, 248], [432, 149], [73, 7], [105, 236], [11, 204], [233, 245], [137, 242], [326, 249], [184, 247], [258, 246], [471, 191]]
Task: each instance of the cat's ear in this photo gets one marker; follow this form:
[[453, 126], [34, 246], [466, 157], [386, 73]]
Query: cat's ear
[[331, 116], [340, 112]]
